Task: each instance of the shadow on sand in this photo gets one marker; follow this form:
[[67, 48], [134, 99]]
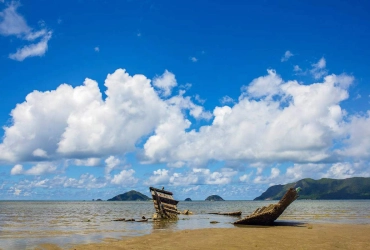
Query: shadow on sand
[[276, 224]]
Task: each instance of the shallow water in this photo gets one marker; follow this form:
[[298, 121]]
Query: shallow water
[[26, 224]]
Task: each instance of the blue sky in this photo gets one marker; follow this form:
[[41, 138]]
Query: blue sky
[[202, 97]]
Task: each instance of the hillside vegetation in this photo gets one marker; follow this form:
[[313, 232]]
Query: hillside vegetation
[[130, 196], [323, 189]]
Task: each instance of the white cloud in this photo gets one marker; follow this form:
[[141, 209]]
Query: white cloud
[[165, 82], [16, 170], [246, 177], [77, 123], [96, 49], [193, 59], [196, 176], [90, 162], [36, 49], [286, 56], [319, 69], [111, 163], [17, 192], [340, 171], [39, 169], [227, 99], [13, 24], [40, 153], [273, 121], [125, 178], [274, 175], [357, 143], [264, 86], [296, 68]]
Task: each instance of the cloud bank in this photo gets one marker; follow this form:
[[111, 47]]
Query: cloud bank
[[272, 123]]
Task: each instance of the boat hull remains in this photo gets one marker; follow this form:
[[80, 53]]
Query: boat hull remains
[[267, 215], [164, 203]]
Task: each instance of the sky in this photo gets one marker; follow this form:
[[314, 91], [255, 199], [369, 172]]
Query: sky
[[200, 97]]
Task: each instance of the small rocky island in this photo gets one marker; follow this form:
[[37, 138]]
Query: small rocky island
[[130, 196], [188, 199], [214, 198]]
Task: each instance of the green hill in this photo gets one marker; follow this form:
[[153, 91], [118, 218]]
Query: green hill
[[323, 189], [130, 196], [214, 198]]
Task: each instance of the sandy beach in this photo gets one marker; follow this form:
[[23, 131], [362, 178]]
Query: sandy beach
[[305, 236]]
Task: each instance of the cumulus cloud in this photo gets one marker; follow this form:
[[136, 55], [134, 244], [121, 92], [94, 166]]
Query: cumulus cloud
[[357, 143], [77, 123], [13, 24], [39, 169], [165, 82], [111, 163], [125, 178], [96, 49], [194, 59], [286, 56], [273, 121]]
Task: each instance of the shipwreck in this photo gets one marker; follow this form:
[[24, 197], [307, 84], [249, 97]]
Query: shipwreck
[[267, 215], [164, 203]]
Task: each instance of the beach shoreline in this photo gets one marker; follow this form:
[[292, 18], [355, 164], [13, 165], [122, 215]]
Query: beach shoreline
[[283, 236]]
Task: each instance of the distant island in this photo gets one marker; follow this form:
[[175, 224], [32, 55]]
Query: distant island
[[188, 199], [323, 189], [214, 198], [130, 196]]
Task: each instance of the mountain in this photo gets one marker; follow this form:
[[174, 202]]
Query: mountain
[[130, 196], [188, 199], [323, 189], [214, 198]]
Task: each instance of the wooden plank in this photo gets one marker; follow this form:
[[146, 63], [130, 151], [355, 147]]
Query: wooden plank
[[162, 195], [165, 200], [160, 190], [166, 205], [167, 210]]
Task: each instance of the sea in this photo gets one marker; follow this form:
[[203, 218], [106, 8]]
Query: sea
[[26, 224]]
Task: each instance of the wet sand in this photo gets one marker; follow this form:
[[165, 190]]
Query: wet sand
[[304, 236]]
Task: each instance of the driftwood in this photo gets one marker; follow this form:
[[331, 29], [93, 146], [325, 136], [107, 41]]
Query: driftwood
[[267, 215], [120, 219], [142, 220], [237, 213]]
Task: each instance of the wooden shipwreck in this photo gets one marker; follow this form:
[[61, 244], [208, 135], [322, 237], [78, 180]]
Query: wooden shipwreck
[[164, 203], [267, 215]]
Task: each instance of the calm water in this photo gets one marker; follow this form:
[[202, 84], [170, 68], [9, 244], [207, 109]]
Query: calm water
[[26, 224]]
